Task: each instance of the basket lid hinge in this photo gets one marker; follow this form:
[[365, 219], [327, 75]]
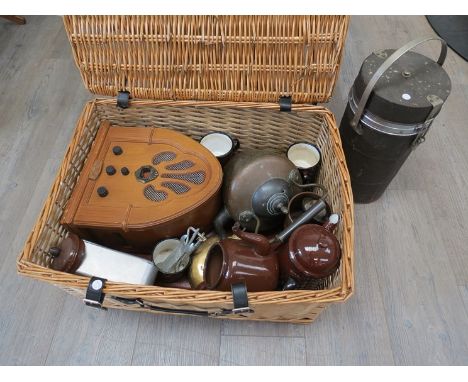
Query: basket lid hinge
[[285, 103], [94, 293], [123, 99]]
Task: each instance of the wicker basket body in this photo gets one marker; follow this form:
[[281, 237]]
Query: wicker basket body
[[258, 125]]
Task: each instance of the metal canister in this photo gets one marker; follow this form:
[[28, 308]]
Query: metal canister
[[391, 106]]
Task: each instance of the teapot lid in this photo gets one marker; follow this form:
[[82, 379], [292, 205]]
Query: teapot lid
[[315, 251], [69, 255]]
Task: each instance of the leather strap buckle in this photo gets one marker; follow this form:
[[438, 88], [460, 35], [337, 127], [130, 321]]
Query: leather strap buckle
[[246, 310], [240, 299], [94, 293]]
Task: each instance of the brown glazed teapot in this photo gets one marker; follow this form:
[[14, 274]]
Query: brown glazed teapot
[[249, 259], [312, 253], [252, 259]]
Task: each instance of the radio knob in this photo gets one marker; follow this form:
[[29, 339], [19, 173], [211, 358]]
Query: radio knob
[[125, 171], [110, 170], [117, 150], [102, 192]]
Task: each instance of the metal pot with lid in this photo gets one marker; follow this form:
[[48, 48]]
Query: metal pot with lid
[[391, 106], [257, 188], [74, 255]]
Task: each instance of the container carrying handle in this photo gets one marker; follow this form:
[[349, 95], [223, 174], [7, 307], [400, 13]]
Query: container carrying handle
[[383, 68], [240, 302]]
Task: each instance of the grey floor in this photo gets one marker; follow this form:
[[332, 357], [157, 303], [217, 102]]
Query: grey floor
[[411, 300]]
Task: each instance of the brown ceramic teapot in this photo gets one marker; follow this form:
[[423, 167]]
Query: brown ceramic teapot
[[312, 253], [249, 259]]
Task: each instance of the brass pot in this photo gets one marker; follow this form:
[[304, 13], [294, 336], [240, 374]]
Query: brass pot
[[197, 266]]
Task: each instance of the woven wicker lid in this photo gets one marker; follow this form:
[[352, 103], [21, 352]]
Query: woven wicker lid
[[229, 58]]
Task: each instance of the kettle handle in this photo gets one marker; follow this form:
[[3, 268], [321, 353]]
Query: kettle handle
[[383, 68], [260, 243]]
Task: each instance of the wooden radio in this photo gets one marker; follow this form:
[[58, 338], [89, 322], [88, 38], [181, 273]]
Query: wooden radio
[[140, 185]]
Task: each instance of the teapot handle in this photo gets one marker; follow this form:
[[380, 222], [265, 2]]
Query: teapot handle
[[302, 219], [260, 243], [299, 195]]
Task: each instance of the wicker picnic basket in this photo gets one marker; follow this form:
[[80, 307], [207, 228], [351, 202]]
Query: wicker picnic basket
[[200, 73]]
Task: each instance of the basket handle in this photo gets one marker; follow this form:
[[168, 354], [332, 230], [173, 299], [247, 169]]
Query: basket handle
[[383, 68], [239, 299]]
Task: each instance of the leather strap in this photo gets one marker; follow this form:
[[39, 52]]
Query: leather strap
[[94, 293], [285, 103], [139, 302], [240, 299], [123, 99]]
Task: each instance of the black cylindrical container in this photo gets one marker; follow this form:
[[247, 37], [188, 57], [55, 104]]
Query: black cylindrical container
[[391, 106]]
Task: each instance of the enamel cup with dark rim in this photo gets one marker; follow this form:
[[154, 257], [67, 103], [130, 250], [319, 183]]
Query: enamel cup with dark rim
[[307, 158], [221, 145]]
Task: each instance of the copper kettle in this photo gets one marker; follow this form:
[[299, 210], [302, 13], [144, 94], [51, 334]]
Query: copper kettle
[[258, 186]]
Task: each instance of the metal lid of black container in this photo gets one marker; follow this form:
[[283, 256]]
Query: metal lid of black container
[[400, 95]]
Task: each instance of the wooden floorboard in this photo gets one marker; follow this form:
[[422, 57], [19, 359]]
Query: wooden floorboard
[[411, 299], [423, 309], [92, 336], [262, 351], [39, 109], [169, 340], [464, 294], [354, 333]]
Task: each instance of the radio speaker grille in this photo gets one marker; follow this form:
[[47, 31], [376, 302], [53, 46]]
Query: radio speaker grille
[[196, 177], [178, 188], [165, 156], [184, 165], [155, 195]]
